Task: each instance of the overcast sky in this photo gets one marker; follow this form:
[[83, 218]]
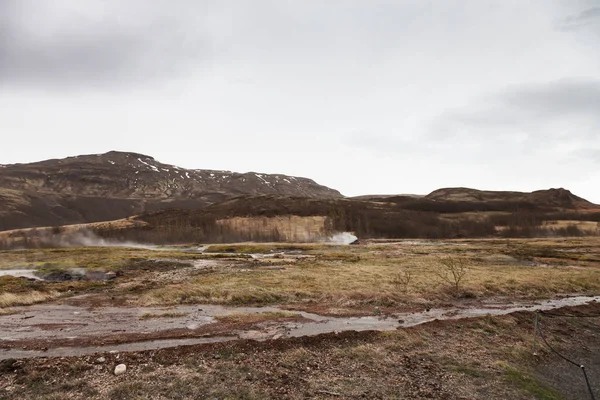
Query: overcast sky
[[365, 96]]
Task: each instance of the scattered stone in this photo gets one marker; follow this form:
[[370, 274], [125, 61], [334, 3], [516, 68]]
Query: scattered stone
[[120, 369], [99, 276], [9, 365], [101, 359]]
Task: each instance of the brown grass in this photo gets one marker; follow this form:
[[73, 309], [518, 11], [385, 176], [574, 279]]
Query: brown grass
[[368, 275], [488, 357], [371, 274], [23, 299], [587, 226], [251, 318], [173, 314]]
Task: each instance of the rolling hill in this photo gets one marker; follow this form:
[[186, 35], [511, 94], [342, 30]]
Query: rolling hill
[[115, 185]]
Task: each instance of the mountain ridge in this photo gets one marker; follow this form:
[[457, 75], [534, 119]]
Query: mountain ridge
[[143, 176], [556, 197], [112, 185]]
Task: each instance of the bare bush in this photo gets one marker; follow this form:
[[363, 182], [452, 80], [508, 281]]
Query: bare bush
[[402, 280], [452, 270]]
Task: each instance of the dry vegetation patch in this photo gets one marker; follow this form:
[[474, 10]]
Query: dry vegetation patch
[[488, 357], [252, 318], [172, 314], [380, 274], [398, 274]]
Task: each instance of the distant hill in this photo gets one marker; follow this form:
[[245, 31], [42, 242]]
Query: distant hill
[[292, 219], [259, 218], [384, 197], [171, 202], [550, 198], [114, 185]]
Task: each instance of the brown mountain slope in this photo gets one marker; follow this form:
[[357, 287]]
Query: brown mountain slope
[[550, 198], [117, 184]]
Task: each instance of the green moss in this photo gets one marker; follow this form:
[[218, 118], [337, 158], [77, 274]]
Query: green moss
[[471, 371], [529, 384]]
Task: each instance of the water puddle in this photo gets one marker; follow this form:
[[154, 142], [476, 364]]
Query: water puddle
[[124, 347], [76, 322], [20, 273]]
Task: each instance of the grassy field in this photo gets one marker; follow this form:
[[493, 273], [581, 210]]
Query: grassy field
[[488, 357], [358, 277], [392, 275]]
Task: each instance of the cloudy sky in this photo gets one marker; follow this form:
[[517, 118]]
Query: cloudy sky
[[366, 96]]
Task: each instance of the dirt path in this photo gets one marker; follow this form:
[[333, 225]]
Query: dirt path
[[62, 330]]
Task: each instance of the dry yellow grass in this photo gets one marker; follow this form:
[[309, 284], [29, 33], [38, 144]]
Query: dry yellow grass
[[514, 269], [27, 298], [290, 228], [252, 318], [66, 231], [174, 314], [371, 274], [587, 226]]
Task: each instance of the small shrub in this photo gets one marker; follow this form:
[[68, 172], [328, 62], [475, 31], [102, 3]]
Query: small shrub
[[452, 270], [402, 280]]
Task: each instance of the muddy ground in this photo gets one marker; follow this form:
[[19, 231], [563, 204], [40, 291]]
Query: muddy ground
[[486, 357], [309, 322]]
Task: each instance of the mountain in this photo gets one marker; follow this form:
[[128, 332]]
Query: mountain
[[551, 198], [114, 185]]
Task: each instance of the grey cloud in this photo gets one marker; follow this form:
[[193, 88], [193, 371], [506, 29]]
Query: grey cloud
[[584, 18], [120, 46], [587, 154], [140, 40], [559, 98], [520, 121], [534, 110]]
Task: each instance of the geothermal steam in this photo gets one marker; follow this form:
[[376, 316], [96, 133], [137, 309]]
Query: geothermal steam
[[342, 238]]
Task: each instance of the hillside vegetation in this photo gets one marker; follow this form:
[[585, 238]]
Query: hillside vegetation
[[116, 185]]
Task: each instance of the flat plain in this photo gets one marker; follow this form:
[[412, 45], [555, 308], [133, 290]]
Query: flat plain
[[381, 319]]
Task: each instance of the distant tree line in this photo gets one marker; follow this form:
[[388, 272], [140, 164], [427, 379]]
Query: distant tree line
[[399, 219]]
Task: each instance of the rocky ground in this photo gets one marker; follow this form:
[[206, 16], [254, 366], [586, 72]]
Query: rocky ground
[[487, 357]]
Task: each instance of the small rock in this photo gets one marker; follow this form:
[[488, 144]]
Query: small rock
[[120, 369], [101, 359]]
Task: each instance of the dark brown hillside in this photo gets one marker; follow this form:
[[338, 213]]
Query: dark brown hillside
[[365, 219], [554, 199], [116, 184]]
